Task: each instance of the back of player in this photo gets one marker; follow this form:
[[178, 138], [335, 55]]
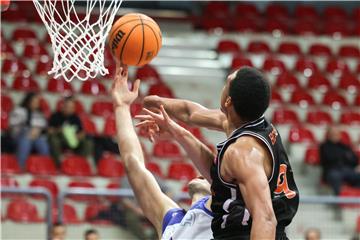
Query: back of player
[[193, 224], [231, 218]]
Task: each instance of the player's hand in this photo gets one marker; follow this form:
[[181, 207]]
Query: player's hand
[[152, 101], [120, 92], [158, 125]]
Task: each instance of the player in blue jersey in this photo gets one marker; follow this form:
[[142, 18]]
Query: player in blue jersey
[[170, 221]]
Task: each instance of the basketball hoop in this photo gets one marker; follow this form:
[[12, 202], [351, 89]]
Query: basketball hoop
[[78, 38]]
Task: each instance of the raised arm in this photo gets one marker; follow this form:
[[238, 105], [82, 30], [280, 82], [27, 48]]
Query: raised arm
[[198, 152], [243, 164], [151, 199], [189, 112]]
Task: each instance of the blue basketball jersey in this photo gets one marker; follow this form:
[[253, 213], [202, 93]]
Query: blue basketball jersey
[[192, 224]]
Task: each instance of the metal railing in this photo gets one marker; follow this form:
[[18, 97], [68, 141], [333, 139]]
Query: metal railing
[[35, 190]]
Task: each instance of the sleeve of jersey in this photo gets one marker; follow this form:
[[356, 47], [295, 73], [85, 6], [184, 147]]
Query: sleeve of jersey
[[173, 216]]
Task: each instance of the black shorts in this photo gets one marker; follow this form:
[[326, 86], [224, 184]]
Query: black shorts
[[235, 236]]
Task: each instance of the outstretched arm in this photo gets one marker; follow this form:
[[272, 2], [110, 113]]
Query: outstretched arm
[[189, 112], [197, 151], [151, 199]]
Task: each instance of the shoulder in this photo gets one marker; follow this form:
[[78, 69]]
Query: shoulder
[[243, 146]]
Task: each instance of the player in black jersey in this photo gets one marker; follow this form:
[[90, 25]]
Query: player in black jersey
[[254, 194]]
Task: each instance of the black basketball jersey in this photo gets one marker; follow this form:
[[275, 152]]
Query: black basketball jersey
[[231, 218]]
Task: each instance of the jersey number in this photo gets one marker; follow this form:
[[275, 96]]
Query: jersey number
[[282, 183]]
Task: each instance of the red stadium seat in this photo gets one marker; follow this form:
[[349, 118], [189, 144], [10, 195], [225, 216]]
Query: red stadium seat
[[23, 34], [319, 117], [306, 66], [210, 23], [312, 155], [4, 120], [13, 66], [148, 73], [349, 82], [305, 12], [8, 182], [274, 66], [272, 25], [6, 48], [34, 49], [161, 90], [25, 84], [43, 65], [41, 165], [318, 49], [154, 168], [6, 104], [285, 116], [318, 81], [93, 87], [305, 27], [102, 108], [82, 184], [110, 167], [245, 24], [92, 211], [69, 215], [349, 51], [88, 125], [59, 86], [113, 186], [276, 97], [258, 47], [247, 10], [3, 84], [217, 9], [350, 117], [181, 171], [336, 28], [20, 210], [302, 98], [227, 46], [239, 61], [9, 164], [334, 100], [287, 80], [347, 191], [166, 149], [278, 11], [110, 126], [301, 135], [289, 48], [357, 100], [337, 66], [79, 108], [75, 166], [45, 183], [334, 12]]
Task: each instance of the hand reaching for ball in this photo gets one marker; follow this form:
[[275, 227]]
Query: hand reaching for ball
[[120, 92]]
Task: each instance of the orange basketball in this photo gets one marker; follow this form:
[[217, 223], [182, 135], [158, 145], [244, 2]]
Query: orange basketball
[[135, 39]]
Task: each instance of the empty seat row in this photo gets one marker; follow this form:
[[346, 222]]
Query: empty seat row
[[107, 166], [290, 48]]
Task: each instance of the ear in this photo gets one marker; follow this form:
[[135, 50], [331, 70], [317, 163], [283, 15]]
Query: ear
[[228, 102]]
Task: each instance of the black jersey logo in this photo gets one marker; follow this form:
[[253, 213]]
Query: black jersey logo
[[273, 135], [282, 183]]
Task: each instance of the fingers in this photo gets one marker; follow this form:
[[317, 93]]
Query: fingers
[[154, 115], [164, 113], [143, 117], [145, 123], [136, 86]]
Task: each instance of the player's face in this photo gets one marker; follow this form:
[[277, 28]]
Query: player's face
[[225, 91], [200, 184]]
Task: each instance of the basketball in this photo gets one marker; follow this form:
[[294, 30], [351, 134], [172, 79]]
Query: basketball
[[135, 39]]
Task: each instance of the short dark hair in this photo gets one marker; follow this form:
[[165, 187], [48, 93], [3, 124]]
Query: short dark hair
[[250, 93], [69, 98], [58, 224], [90, 231]]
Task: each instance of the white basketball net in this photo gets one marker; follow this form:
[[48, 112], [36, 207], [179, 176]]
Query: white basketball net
[[78, 40]]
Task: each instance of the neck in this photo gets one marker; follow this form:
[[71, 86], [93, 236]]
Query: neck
[[196, 197], [234, 123]]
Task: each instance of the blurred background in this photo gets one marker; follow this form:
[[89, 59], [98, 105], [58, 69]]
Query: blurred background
[[309, 51]]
